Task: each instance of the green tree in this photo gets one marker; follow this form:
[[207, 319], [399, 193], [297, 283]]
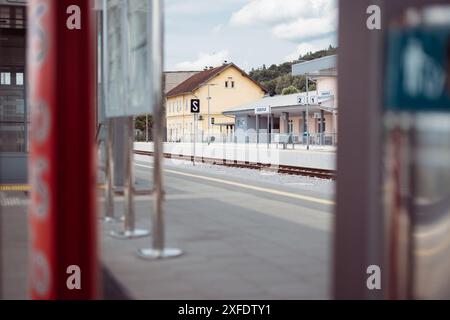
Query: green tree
[[139, 124], [289, 90], [271, 87], [300, 83], [283, 82], [278, 77]]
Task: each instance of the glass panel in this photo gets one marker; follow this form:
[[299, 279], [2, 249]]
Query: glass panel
[[12, 137], [19, 79], [115, 76], [137, 17], [4, 17], [12, 108], [5, 78], [19, 18]]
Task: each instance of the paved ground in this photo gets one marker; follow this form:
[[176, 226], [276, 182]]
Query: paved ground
[[246, 235], [14, 244], [14, 253], [239, 243]]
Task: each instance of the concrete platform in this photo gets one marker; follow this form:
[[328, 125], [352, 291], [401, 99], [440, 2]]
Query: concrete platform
[[243, 236], [319, 157], [238, 243]]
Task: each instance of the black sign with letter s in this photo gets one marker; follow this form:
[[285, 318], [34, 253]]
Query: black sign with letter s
[[195, 105]]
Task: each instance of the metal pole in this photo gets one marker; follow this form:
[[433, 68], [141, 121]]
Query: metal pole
[[268, 124], [271, 125], [209, 115], [307, 112], [158, 250], [129, 221], [322, 122], [109, 206], [257, 129], [129, 228], [195, 137]]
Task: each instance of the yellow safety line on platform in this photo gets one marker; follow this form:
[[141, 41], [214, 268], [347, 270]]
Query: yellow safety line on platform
[[250, 187], [14, 187]]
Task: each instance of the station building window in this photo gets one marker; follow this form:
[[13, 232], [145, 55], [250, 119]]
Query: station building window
[[5, 78], [20, 17], [229, 83], [19, 79]]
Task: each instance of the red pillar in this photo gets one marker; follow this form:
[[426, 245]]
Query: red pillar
[[62, 213]]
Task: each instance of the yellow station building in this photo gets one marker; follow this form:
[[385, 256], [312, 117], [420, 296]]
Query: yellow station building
[[224, 88]]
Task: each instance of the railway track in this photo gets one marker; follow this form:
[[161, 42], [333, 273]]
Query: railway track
[[292, 170]]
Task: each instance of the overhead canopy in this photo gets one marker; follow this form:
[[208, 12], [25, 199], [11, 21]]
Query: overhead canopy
[[325, 66], [284, 103]]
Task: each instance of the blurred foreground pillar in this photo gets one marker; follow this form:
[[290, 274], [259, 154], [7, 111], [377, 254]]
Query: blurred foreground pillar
[[358, 240], [62, 215], [391, 224]]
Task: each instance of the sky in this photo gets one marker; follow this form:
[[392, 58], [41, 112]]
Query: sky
[[250, 33]]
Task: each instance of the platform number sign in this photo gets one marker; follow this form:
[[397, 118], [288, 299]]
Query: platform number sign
[[195, 106], [313, 100], [301, 100]]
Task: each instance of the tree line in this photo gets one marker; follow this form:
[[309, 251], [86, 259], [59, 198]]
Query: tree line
[[278, 79]]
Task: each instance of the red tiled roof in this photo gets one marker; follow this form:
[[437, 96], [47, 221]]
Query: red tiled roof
[[197, 80]]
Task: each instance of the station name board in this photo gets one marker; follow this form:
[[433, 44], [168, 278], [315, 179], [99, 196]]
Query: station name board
[[262, 110]]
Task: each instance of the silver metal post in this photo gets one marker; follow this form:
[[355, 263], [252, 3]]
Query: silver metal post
[[209, 115], [109, 206], [322, 122], [129, 181], [195, 137], [307, 112], [257, 129], [271, 126], [129, 229], [268, 133], [158, 250]]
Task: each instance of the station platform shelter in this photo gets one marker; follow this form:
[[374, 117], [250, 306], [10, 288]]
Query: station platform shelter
[[294, 118], [287, 119]]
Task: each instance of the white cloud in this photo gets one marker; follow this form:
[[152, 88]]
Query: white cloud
[[198, 7], [203, 60], [311, 24], [306, 28], [276, 11]]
